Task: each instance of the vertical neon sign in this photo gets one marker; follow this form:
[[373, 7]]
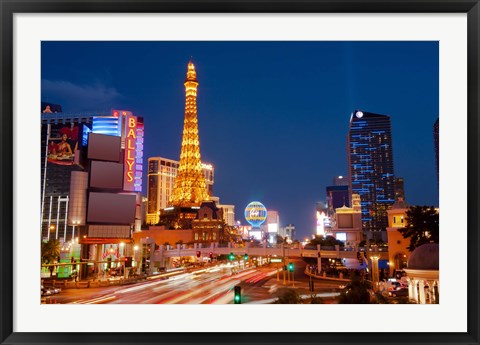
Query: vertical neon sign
[[130, 151]]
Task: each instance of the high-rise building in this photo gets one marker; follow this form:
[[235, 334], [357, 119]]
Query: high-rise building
[[370, 169], [62, 134], [161, 178], [337, 196], [190, 188], [228, 214], [340, 180], [436, 128], [272, 225], [287, 232], [399, 189]]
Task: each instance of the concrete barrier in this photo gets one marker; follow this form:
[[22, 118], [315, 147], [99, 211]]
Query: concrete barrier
[[324, 277], [70, 285], [94, 283], [82, 285]]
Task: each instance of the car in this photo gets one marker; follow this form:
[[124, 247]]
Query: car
[[401, 292], [55, 289], [45, 292]]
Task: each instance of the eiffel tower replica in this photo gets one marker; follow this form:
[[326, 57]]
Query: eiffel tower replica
[[190, 188]]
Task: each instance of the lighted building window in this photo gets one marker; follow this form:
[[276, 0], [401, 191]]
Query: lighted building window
[[214, 236], [196, 236], [398, 221]]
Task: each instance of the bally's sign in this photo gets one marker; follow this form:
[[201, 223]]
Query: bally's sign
[[130, 151]]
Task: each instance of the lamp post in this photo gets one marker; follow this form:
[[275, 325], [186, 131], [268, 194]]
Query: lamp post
[[284, 266], [75, 223], [135, 251], [52, 227], [375, 258]]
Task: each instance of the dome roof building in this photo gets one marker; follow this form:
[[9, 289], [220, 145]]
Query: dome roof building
[[424, 257], [422, 274]]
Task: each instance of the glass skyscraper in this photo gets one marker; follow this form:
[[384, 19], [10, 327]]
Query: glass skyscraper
[[370, 169], [436, 129]]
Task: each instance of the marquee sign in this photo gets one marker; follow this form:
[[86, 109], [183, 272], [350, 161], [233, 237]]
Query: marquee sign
[[130, 153]]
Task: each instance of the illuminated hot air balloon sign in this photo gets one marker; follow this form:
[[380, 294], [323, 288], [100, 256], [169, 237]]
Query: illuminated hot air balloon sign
[[255, 213]]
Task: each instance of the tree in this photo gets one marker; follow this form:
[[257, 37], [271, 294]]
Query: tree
[[422, 226], [355, 292], [50, 251], [280, 239], [289, 296], [326, 241]]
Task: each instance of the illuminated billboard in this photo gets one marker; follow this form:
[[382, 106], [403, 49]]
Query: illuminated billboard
[[321, 223], [255, 213], [62, 143], [130, 151], [130, 131]]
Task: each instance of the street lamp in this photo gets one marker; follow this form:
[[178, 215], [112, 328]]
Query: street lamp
[[375, 258], [52, 227]]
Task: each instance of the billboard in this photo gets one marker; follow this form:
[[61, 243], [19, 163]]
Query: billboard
[[130, 153], [62, 143]]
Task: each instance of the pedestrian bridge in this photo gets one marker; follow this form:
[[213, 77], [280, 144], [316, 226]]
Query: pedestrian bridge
[[164, 253]]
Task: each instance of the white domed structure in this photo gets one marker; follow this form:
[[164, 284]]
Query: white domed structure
[[422, 274]]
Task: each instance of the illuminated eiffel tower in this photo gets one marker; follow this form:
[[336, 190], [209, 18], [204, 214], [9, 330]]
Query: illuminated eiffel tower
[[190, 188]]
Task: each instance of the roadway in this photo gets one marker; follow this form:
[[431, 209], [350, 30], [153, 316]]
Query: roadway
[[212, 285]]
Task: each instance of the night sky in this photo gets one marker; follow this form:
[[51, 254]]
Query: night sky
[[273, 116]]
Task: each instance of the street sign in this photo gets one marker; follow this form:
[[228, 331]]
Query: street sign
[[275, 260]]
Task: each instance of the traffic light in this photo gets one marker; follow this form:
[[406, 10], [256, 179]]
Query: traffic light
[[198, 253], [231, 257], [290, 267], [210, 255], [245, 257], [128, 261], [237, 297]]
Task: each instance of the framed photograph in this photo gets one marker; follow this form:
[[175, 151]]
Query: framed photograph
[[239, 172]]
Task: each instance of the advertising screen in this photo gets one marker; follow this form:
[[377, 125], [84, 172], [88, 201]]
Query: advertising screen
[[62, 143]]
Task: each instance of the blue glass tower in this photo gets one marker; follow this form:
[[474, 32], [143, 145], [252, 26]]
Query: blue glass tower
[[370, 168]]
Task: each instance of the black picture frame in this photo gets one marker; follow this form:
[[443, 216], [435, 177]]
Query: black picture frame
[[10, 7]]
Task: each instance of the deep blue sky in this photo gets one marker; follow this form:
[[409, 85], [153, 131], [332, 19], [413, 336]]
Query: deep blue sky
[[273, 116]]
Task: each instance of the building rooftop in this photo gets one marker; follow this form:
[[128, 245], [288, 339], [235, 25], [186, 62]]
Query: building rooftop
[[425, 257]]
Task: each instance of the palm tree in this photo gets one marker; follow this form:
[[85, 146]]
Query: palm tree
[[422, 226], [50, 252]]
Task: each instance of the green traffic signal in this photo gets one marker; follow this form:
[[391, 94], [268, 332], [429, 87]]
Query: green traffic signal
[[290, 267], [245, 257], [237, 297], [231, 257]]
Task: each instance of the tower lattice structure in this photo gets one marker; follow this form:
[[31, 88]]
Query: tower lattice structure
[[190, 188]]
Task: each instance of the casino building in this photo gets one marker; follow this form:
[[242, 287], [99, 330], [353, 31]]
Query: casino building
[[63, 135], [370, 169], [162, 173]]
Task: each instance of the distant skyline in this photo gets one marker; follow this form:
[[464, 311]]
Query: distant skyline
[[273, 116]]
